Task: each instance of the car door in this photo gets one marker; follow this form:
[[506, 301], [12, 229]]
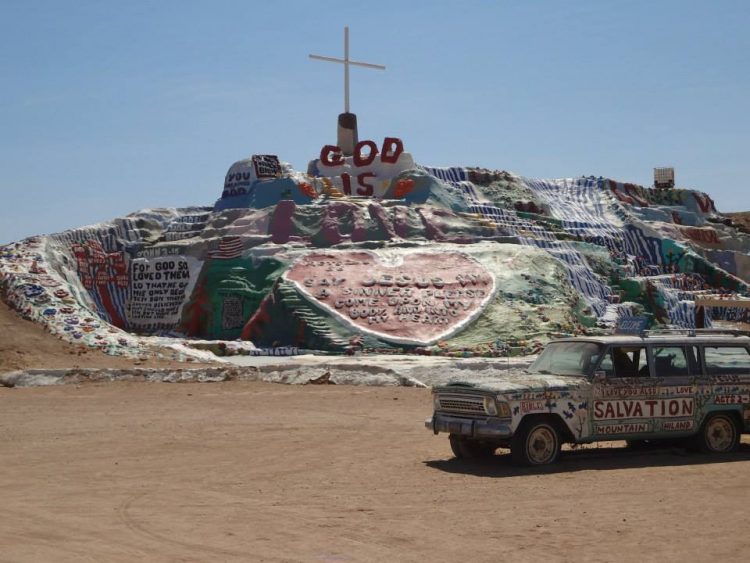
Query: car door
[[727, 368], [678, 380], [623, 392]]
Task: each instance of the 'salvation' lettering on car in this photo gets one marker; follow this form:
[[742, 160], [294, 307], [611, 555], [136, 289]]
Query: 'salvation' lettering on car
[[648, 408]]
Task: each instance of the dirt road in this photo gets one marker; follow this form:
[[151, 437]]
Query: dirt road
[[260, 472]]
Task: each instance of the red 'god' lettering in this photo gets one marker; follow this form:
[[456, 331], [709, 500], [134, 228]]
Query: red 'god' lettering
[[331, 155]]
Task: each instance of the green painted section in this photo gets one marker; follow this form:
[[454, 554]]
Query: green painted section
[[226, 295]]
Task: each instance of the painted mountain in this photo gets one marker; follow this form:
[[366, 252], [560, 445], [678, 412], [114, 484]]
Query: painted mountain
[[374, 252]]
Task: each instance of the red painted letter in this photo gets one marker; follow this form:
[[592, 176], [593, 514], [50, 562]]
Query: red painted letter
[[346, 180], [358, 159], [392, 149], [327, 152], [367, 187]]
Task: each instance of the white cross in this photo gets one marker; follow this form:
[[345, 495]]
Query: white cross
[[346, 62]]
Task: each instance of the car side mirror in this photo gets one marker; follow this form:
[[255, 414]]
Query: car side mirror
[[600, 376]]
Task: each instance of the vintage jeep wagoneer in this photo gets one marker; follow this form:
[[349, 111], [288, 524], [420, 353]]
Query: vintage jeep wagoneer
[[689, 385]]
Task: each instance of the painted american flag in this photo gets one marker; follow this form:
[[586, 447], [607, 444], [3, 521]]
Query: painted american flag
[[229, 247]]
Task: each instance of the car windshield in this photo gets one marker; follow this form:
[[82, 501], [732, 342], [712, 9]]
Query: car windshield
[[567, 358]]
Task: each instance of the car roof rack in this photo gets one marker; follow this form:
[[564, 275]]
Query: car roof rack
[[695, 331]]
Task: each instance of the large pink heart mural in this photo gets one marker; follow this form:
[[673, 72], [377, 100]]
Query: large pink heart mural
[[414, 298]]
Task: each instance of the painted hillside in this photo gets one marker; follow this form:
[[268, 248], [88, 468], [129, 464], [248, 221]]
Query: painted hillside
[[382, 254]]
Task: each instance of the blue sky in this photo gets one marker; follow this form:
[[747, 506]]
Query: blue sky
[[109, 107]]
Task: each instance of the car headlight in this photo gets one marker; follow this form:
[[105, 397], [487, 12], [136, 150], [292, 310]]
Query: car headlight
[[503, 408], [490, 407], [436, 401]]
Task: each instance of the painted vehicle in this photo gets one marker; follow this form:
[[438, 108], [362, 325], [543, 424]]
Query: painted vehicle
[[688, 385]]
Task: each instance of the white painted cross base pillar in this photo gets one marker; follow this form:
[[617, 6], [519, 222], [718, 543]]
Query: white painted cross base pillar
[[347, 135], [347, 129]]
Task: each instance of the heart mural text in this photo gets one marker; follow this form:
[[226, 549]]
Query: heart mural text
[[416, 298]]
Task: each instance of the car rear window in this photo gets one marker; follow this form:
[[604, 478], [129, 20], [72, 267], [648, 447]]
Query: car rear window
[[726, 359]]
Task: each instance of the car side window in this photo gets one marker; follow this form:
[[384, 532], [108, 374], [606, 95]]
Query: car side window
[[625, 361], [672, 361], [726, 360]]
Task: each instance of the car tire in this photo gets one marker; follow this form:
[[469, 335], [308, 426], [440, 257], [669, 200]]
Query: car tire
[[719, 434], [464, 448], [536, 442]]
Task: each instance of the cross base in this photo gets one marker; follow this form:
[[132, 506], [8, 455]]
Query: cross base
[[347, 135]]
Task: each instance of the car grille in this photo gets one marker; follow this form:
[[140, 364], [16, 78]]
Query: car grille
[[465, 404]]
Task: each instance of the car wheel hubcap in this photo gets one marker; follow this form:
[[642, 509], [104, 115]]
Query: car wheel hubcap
[[541, 445], [720, 435]]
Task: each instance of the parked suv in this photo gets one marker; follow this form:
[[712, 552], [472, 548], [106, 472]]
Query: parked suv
[[691, 385]]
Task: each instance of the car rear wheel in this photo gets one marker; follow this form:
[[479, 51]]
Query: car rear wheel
[[464, 448], [536, 442], [719, 434]]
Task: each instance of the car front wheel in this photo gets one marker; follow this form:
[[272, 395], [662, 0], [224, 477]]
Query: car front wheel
[[536, 442], [464, 448]]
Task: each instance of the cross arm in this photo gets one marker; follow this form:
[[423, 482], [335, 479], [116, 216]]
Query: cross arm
[[344, 61], [368, 65], [330, 59]]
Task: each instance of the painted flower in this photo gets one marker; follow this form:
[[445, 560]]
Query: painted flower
[[32, 290], [403, 187], [308, 190]]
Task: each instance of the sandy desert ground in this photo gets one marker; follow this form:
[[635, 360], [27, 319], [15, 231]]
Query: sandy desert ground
[[250, 471], [244, 471]]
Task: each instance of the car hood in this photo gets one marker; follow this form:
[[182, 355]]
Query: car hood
[[518, 383]]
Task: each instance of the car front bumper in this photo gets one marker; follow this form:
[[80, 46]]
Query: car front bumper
[[470, 427]]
